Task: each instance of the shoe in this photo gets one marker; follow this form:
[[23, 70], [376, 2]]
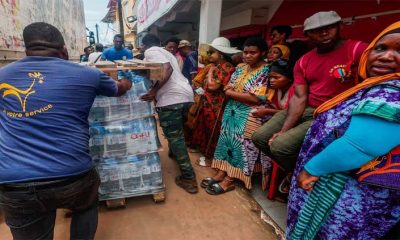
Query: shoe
[[216, 189], [189, 185], [208, 181]]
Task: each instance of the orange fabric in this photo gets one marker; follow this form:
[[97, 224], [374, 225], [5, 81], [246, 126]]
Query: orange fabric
[[284, 49], [362, 71]]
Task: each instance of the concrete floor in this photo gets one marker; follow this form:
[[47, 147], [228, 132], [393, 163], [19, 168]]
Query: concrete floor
[[233, 215]]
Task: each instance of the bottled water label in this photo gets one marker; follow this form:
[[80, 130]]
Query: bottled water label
[[100, 111], [147, 170]]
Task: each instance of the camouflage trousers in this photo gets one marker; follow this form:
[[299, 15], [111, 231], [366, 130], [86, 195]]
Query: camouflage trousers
[[172, 120]]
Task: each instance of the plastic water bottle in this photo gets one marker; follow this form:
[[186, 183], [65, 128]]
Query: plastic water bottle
[[153, 136], [113, 185], [135, 173], [100, 110], [146, 172], [115, 140], [133, 138], [144, 136], [125, 173], [104, 177], [155, 165], [96, 142], [120, 107]]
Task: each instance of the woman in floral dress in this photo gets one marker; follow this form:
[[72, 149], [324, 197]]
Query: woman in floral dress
[[209, 88], [235, 155]]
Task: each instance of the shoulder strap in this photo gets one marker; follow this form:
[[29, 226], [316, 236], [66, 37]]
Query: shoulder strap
[[97, 59]]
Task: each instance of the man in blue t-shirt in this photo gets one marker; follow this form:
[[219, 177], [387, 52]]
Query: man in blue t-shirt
[[118, 52], [189, 69], [44, 155]]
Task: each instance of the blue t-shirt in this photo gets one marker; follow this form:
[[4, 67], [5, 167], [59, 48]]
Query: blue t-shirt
[[111, 54], [44, 108], [190, 66]]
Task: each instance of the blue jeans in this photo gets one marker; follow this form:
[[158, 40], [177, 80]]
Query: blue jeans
[[30, 207]]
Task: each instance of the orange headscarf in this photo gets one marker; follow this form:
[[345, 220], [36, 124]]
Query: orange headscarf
[[284, 49], [362, 71]]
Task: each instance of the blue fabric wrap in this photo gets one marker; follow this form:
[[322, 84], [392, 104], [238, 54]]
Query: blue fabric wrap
[[366, 138]]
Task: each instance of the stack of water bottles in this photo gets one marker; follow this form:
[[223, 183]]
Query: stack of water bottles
[[124, 143]]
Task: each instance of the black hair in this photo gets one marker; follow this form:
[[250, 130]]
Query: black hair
[[286, 29], [172, 39], [98, 47], [117, 36], [227, 57], [41, 34], [283, 67], [256, 41], [151, 40], [86, 48]]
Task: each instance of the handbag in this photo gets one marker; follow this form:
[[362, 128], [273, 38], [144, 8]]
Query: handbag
[[383, 171]]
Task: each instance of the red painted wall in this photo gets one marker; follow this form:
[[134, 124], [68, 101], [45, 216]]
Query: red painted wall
[[294, 12]]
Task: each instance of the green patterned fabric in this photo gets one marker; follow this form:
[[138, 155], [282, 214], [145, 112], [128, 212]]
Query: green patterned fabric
[[318, 205], [230, 145], [384, 110]]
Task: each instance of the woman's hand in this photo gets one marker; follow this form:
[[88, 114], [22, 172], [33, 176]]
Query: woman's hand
[[306, 181], [259, 112], [228, 90]]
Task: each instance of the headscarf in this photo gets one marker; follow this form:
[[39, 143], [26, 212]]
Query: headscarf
[[284, 49], [362, 71]]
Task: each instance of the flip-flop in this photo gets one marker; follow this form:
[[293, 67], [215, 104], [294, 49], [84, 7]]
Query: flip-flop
[[284, 185], [216, 189], [208, 181]]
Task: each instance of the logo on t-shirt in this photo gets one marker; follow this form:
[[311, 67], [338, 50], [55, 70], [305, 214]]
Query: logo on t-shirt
[[341, 73], [23, 95]]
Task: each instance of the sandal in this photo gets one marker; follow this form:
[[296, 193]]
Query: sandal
[[216, 189], [284, 187], [208, 181]]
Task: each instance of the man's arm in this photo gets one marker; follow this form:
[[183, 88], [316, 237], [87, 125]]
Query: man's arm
[[123, 86], [296, 108], [167, 72]]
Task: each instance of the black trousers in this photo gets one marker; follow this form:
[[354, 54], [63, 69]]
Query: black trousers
[[30, 207]]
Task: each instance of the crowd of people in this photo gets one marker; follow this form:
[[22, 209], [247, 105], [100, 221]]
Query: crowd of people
[[328, 116], [308, 112]]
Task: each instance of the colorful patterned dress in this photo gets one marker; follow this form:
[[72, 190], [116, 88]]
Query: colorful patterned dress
[[210, 110], [358, 211], [235, 152]]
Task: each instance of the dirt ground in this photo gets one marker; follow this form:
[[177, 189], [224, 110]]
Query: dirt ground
[[230, 216]]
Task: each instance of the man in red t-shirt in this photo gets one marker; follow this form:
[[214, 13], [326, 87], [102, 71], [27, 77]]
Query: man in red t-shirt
[[319, 75]]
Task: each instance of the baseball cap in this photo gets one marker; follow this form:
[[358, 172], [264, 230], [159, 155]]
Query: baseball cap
[[184, 43], [321, 19]]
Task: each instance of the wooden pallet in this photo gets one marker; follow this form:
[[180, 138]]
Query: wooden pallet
[[121, 202]]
